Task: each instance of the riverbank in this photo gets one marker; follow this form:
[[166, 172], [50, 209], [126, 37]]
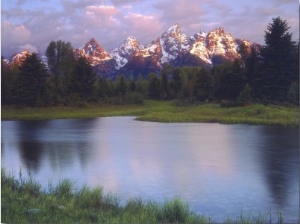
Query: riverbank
[[23, 201], [165, 111]]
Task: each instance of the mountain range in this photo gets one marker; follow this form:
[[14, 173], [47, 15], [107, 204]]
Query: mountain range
[[172, 48]]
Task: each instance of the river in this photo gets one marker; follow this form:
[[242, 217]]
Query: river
[[221, 171]]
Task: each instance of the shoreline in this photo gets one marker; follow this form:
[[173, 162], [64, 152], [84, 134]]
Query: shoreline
[[165, 112]]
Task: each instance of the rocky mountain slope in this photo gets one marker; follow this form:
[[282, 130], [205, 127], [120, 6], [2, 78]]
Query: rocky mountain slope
[[172, 47]]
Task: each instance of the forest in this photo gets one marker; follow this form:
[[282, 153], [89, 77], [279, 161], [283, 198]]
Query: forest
[[268, 75]]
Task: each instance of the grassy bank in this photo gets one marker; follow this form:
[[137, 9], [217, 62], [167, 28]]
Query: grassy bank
[[166, 111], [23, 201]]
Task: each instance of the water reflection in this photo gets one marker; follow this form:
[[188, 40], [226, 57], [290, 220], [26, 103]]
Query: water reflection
[[60, 142], [30, 147], [280, 161], [31, 154], [220, 170]]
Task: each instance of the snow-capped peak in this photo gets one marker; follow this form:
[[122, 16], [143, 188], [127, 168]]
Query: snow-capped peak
[[18, 58], [173, 46], [123, 52], [173, 41], [174, 29], [93, 51]]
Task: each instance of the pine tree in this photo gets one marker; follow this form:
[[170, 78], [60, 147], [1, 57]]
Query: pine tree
[[140, 85], [154, 87], [278, 61], [102, 85], [132, 85], [9, 75], [31, 84], [231, 80], [61, 62], [204, 86], [121, 86], [82, 80]]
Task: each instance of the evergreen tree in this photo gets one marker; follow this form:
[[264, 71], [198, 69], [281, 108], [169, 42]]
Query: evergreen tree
[[31, 84], [61, 62], [140, 85], [244, 51], [121, 86], [188, 81], [231, 81], [8, 77], [245, 96], [252, 65], [154, 87], [102, 88], [82, 80], [176, 82], [204, 86], [165, 84], [132, 85], [279, 64]]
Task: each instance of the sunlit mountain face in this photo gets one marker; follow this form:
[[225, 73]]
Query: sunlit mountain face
[[172, 48]]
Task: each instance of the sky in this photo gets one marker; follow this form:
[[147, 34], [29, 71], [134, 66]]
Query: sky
[[33, 24]]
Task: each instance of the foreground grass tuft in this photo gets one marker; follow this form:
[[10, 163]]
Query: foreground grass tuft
[[25, 202]]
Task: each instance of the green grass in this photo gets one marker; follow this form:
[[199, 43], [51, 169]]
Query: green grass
[[24, 201], [166, 111]]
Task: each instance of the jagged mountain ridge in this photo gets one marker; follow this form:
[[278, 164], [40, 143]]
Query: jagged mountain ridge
[[172, 47]]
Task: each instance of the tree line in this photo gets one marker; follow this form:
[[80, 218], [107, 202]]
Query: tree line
[[264, 74]]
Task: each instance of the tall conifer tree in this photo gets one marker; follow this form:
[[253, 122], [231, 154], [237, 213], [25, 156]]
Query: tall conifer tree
[[31, 83], [279, 67]]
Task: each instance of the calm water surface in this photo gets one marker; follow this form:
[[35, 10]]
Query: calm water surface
[[219, 170]]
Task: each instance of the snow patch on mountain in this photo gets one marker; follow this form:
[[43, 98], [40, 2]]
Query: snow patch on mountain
[[124, 51], [199, 49], [171, 45], [173, 42], [93, 51], [18, 58]]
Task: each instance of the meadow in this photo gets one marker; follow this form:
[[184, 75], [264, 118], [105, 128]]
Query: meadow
[[165, 111]]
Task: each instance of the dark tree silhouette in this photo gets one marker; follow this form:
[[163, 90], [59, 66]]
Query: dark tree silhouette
[[31, 84], [82, 80], [279, 64]]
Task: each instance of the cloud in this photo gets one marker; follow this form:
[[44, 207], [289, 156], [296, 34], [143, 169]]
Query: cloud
[[70, 5], [29, 47], [15, 33], [110, 22], [178, 11], [145, 28], [125, 2], [12, 36], [192, 16], [102, 11]]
